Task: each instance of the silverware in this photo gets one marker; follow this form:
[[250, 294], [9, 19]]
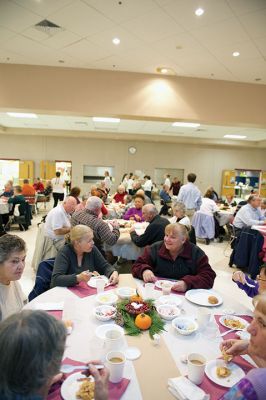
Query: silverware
[[67, 368], [225, 333]]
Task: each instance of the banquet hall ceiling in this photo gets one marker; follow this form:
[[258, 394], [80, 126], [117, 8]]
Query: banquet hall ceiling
[[153, 34]]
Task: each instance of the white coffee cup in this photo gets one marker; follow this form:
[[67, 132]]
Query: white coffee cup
[[166, 288], [113, 340], [100, 284], [204, 316], [149, 290], [115, 363], [196, 366]]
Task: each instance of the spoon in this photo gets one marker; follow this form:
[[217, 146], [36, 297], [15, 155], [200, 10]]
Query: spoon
[[225, 333], [67, 368]]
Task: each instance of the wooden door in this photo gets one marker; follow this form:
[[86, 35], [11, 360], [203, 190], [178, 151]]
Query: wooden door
[[26, 171], [263, 184], [47, 170], [228, 183]]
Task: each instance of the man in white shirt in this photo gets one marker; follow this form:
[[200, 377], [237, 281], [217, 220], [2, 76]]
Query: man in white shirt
[[58, 185], [190, 195], [147, 186], [249, 214], [57, 222], [167, 181]]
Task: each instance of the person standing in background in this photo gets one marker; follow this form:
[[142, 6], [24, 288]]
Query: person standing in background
[[175, 186], [167, 181], [190, 195], [58, 184], [130, 182], [147, 186], [107, 181]]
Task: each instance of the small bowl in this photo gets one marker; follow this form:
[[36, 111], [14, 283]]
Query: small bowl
[[168, 311], [184, 325], [125, 292], [106, 298], [104, 313]]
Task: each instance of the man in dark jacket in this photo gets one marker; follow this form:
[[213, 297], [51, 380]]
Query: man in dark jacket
[[154, 231]]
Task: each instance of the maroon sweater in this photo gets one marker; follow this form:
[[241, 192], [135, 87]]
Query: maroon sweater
[[191, 265]]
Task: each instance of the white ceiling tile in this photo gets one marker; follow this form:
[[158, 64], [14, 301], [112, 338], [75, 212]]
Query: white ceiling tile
[[62, 39], [5, 34], [255, 23], [34, 34], [81, 19], [261, 45], [16, 18], [10, 57], [246, 49], [153, 26], [241, 7], [85, 51], [122, 12], [27, 47], [43, 8]]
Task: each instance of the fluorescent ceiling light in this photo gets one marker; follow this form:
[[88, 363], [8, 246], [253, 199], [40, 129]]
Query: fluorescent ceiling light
[[116, 41], [103, 119], [199, 12], [235, 136], [186, 124], [236, 54], [22, 115]]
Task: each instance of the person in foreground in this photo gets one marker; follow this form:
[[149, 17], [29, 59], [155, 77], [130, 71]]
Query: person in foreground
[[259, 286], [30, 361], [12, 264], [175, 258], [77, 261], [253, 385]]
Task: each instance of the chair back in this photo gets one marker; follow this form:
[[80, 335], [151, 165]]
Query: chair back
[[43, 278]]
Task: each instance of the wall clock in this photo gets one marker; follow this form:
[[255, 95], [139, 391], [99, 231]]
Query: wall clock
[[132, 150]]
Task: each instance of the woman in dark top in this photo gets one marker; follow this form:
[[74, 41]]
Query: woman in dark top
[[76, 261], [75, 192]]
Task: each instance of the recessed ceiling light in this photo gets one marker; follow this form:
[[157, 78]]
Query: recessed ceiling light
[[162, 70], [105, 119], [199, 12], [186, 124], [236, 54], [235, 136], [116, 41], [22, 115]]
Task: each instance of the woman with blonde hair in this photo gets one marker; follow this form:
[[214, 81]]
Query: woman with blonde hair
[[253, 385], [175, 258], [78, 260]]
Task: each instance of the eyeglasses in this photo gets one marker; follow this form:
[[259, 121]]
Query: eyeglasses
[[258, 278]]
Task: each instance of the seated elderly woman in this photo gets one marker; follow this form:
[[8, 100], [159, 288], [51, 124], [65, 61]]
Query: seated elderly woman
[[120, 194], [175, 258], [77, 261], [253, 385], [135, 213], [179, 211], [12, 264], [30, 360]]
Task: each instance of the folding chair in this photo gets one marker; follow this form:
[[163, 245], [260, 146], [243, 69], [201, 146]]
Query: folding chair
[[43, 278]]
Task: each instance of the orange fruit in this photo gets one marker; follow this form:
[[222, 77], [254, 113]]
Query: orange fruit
[[143, 321], [136, 298]]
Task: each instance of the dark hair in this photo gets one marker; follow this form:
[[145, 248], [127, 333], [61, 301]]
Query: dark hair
[[147, 176], [131, 174], [252, 197], [208, 194], [191, 177], [18, 188], [31, 347], [25, 181], [140, 196], [58, 174], [10, 244], [75, 191]]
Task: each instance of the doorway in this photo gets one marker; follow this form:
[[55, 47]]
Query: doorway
[[65, 168], [159, 175]]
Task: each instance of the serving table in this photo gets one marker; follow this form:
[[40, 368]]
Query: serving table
[[149, 374]]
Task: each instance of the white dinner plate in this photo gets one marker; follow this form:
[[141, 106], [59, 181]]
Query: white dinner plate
[[237, 373], [235, 318], [159, 283], [200, 297], [102, 329], [71, 385], [172, 299], [92, 281]]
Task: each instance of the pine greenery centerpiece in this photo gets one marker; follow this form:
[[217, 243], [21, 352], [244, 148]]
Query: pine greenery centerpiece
[[136, 315]]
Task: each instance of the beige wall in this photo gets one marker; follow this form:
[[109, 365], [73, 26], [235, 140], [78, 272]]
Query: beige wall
[[91, 92], [206, 161]]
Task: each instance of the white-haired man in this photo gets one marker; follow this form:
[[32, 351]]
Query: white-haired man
[[101, 230]]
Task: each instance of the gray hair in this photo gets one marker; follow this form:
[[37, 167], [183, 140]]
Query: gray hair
[[150, 208], [31, 346], [179, 206], [177, 229], [78, 232], [10, 244], [94, 203], [263, 201]]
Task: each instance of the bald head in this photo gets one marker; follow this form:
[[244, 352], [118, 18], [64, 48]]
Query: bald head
[[149, 211], [69, 204]]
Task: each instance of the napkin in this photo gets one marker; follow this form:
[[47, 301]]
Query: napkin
[[49, 306], [83, 290], [183, 389]]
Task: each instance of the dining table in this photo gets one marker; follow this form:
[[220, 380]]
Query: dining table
[[147, 376]]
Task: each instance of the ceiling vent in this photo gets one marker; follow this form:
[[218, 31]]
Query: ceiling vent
[[48, 27]]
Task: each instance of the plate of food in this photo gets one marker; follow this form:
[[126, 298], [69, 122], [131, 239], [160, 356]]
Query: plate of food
[[125, 292], [77, 386], [93, 280], [107, 298], [224, 374], [204, 297], [233, 322], [104, 312], [184, 325], [159, 284], [168, 311], [101, 330]]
